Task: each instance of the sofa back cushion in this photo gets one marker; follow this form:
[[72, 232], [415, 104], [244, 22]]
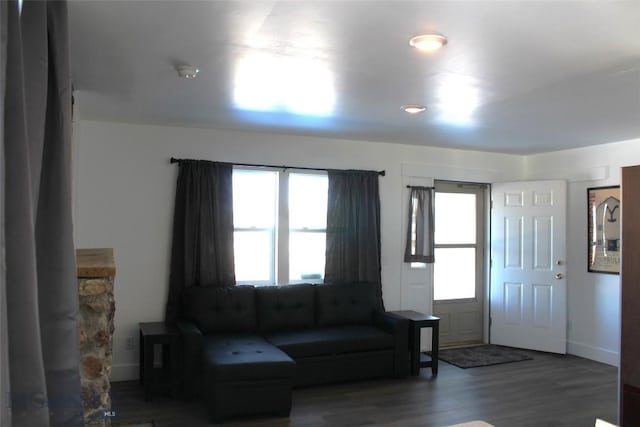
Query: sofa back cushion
[[221, 309], [282, 308], [345, 304]]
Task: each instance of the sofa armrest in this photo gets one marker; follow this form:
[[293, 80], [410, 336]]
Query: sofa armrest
[[399, 328], [191, 343]]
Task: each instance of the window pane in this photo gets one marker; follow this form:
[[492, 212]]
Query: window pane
[[253, 251], [308, 201], [455, 218], [306, 255], [254, 198], [454, 273]]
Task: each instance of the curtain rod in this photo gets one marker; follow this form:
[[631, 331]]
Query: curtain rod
[[420, 186], [174, 160]]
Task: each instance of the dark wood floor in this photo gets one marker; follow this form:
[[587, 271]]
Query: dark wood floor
[[548, 391]]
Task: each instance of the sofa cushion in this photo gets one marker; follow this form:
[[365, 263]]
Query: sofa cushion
[[223, 309], [345, 304], [285, 307], [240, 357], [331, 340]]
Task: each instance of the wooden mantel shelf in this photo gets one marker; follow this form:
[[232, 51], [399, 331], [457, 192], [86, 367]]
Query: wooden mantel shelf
[[97, 262]]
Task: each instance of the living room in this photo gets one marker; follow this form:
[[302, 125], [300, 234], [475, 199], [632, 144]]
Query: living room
[[134, 208], [123, 190]]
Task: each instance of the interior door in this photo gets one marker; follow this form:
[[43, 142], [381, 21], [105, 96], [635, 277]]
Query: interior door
[[528, 253]]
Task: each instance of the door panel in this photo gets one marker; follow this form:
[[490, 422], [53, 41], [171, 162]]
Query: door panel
[[543, 229], [542, 303], [513, 303], [513, 242], [445, 325], [528, 252], [469, 321]]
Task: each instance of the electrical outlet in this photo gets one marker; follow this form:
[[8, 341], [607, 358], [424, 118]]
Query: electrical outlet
[[130, 343]]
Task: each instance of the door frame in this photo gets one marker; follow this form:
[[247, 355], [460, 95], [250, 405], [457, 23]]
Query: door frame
[[423, 173], [485, 286]]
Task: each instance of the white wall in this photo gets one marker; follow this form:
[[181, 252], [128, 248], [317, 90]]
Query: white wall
[[125, 186], [593, 299]]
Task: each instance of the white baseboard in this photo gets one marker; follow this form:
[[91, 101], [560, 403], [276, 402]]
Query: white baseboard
[[124, 372], [594, 353]]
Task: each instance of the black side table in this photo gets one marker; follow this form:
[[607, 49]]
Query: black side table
[[162, 378], [417, 321]]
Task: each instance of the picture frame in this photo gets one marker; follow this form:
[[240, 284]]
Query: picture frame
[[603, 229]]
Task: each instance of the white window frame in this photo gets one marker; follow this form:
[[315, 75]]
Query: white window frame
[[283, 276], [273, 232], [279, 262], [478, 246]]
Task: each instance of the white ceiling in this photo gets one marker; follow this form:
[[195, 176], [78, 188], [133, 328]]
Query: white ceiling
[[530, 76]]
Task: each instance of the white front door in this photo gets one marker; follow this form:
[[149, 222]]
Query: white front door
[[528, 256]]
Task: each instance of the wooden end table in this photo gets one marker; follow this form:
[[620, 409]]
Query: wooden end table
[[163, 378], [417, 321]]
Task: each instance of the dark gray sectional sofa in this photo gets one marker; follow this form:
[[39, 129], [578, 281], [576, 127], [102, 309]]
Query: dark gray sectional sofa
[[245, 347]]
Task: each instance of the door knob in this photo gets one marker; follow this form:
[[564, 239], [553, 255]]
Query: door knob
[[559, 276]]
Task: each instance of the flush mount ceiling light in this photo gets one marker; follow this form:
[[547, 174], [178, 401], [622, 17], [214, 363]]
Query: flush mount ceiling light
[[413, 108], [187, 71], [428, 42]]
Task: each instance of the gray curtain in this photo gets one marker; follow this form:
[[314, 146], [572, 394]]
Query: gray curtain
[[353, 228], [420, 226], [5, 414], [41, 284], [202, 249]]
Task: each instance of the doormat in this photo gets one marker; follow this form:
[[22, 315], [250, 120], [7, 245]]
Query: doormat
[[481, 355]]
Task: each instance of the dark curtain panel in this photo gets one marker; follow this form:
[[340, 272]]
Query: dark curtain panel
[[41, 283], [353, 228], [420, 226], [202, 250], [5, 415]]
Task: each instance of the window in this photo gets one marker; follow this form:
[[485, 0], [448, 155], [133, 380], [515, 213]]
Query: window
[[254, 222], [458, 247], [280, 221], [307, 226]]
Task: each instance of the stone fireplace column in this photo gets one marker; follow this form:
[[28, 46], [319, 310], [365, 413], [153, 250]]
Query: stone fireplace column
[[96, 271]]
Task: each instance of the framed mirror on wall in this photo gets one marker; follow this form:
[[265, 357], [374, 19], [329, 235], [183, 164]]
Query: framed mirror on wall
[[603, 229]]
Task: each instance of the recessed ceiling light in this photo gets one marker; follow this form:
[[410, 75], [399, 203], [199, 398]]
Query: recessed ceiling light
[[187, 71], [413, 108], [428, 42]]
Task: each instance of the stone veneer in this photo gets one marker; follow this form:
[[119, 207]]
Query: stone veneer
[[96, 271]]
